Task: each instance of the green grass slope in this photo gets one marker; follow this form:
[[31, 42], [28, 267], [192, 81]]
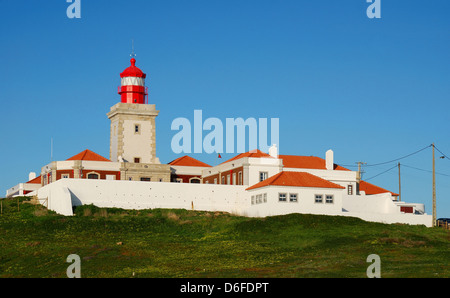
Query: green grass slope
[[116, 243]]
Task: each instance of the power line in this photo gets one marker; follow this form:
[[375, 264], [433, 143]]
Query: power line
[[425, 170], [380, 173], [442, 153], [415, 168], [342, 165], [397, 159]]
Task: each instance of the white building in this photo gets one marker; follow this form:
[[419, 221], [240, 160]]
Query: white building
[[23, 189], [254, 183]]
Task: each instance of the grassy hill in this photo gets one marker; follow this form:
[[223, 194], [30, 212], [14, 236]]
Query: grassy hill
[[35, 242]]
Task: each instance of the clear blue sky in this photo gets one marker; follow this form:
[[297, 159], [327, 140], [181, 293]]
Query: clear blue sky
[[372, 90]]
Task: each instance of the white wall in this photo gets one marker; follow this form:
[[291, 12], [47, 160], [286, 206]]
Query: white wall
[[137, 144], [145, 195], [212, 197], [381, 208], [188, 170], [88, 164], [99, 165], [14, 191], [305, 201], [65, 164], [18, 189], [114, 141], [380, 203]]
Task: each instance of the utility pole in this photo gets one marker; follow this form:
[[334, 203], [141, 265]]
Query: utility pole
[[434, 190], [358, 175], [399, 184], [359, 170]]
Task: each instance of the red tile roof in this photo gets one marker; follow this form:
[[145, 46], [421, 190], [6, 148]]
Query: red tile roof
[[371, 189], [253, 153], [298, 179], [36, 180], [307, 162], [188, 162], [88, 155]]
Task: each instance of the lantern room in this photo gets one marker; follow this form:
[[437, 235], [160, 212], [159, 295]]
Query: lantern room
[[132, 88]]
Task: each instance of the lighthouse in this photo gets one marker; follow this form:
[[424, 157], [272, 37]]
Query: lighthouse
[[133, 130], [132, 87]]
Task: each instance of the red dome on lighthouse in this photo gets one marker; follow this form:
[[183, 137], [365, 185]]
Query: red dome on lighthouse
[[133, 71], [132, 88]]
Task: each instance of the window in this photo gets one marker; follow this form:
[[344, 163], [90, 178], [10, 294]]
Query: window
[[318, 199], [137, 160], [93, 176], [194, 180], [259, 199], [293, 197], [65, 176], [282, 197], [145, 179], [263, 176], [329, 199], [228, 179], [240, 178], [179, 180], [215, 180], [234, 178], [223, 179], [350, 189], [137, 128]]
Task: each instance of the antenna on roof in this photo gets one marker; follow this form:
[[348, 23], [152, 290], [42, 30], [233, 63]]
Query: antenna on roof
[[133, 54]]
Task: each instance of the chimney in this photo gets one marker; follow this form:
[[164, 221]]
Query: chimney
[[329, 160], [31, 176], [273, 151]]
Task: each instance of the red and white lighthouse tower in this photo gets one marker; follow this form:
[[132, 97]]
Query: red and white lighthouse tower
[[132, 88], [133, 130]]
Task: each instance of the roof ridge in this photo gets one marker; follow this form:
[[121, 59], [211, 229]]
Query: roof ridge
[[271, 179], [181, 158], [249, 154], [296, 179], [188, 159], [84, 155], [276, 177]]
